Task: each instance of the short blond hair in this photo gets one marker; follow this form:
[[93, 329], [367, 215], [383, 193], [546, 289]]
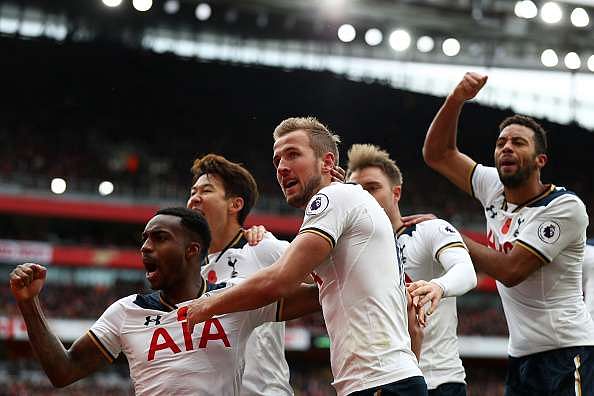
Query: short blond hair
[[321, 139], [365, 155]]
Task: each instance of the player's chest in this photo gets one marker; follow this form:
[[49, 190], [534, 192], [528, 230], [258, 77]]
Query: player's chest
[[231, 264], [504, 227], [153, 336]]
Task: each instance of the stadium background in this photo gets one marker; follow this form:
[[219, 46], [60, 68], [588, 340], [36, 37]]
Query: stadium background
[[90, 95]]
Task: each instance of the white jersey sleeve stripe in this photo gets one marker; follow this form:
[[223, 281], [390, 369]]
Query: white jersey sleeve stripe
[[534, 251], [447, 246], [321, 233], [100, 346]]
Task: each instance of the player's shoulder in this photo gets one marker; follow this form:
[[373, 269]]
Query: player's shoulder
[[340, 191], [560, 200], [223, 285], [268, 244], [436, 226]]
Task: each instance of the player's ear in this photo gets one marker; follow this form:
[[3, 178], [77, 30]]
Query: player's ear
[[328, 162], [541, 160], [235, 204], [193, 249], [396, 193]]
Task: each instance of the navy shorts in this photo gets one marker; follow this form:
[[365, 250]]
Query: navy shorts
[[449, 389], [413, 386], [560, 372]]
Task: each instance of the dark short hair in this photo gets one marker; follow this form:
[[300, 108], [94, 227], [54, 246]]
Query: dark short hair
[[237, 180], [193, 222], [540, 135]]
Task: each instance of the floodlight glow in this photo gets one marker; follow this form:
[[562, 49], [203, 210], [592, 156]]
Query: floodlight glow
[[451, 47], [171, 6], [203, 11], [346, 33], [572, 61], [112, 3], [549, 58], [425, 44], [399, 40], [591, 63], [142, 5], [551, 12], [579, 17], [105, 188], [58, 185], [525, 9], [373, 37]]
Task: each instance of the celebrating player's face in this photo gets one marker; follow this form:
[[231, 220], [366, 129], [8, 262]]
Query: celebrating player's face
[[374, 181], [207, 196], [162, 252], [298, 171], [515, 155]]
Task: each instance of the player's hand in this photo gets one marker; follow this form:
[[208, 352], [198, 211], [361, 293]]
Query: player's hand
[[198, 312], [408, 221], [338, 174], [469, 87], [427, 292], [26, 281], [255, 234]]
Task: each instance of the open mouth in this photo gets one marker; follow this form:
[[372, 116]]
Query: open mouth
[[151, 266], [290, 184]]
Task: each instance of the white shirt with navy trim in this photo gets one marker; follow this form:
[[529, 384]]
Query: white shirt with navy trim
[[164, 358], [266, 370], [546, 311], [421, 247], [363, 298]]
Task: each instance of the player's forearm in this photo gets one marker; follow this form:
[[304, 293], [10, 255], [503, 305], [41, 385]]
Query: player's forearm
[[492, 263], [47, 346], [257, 291], [460, 276], [441, 136]]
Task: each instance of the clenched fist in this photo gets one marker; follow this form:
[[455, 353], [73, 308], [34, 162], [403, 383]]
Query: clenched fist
[[469, 87], [26, 281]]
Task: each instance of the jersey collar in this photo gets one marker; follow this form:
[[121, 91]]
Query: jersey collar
[[549, 189], [170, 306]]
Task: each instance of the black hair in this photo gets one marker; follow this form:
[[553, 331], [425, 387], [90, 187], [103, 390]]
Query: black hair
[[540, 135], [195, 223]]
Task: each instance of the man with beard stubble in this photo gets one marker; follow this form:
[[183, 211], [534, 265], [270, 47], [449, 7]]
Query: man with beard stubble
[[536, 236]]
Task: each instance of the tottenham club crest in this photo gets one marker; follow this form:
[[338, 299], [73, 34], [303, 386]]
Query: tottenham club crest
[[549, 232], [317, 204]]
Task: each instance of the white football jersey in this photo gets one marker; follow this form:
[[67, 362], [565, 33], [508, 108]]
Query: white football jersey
[[361, 291], [420, 248], [588, 278], [266, 370], [164, 358], [546, 311]]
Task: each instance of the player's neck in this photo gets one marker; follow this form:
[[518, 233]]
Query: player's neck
[[222, 236], [188, 290], [524, 192]]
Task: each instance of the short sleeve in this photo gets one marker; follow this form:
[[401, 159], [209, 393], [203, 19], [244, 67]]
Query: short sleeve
[[326, 213], [562, 222], [442, 236], [105, 332], [484, 181], [269, 250]]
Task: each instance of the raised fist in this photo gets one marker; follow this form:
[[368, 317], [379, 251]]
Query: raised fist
[[469, 87], [26, 281]]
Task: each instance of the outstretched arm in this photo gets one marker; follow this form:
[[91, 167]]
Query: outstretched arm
[[62, 366], [270, 284], [305, 300], [440, 150]]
